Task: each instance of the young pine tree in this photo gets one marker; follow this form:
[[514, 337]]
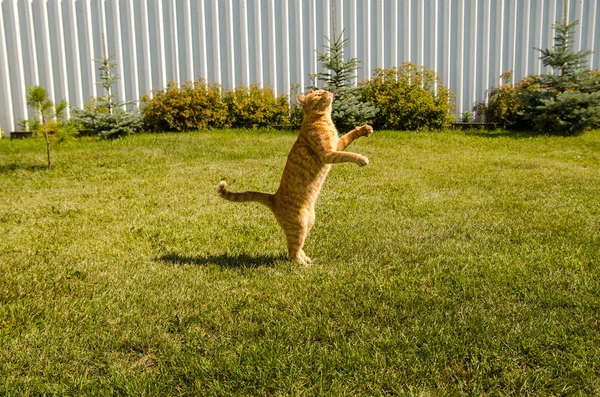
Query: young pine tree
[[49, 117], [348, 110], [568, 100]]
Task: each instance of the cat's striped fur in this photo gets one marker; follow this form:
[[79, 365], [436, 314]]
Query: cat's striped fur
[[317, 147]]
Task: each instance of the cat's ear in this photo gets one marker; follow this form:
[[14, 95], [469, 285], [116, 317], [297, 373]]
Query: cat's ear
[[301, 99]]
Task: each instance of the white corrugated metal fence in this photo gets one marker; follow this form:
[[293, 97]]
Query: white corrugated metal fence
[[270, 42]]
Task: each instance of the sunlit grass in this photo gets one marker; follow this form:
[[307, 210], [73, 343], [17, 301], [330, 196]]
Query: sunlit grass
[[453, 264]]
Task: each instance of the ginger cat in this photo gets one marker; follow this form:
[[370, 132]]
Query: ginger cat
[[317, 147]]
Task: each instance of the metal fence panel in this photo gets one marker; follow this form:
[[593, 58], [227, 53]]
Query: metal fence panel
[[469, 43]]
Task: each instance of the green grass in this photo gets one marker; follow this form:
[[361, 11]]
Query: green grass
[[453, 264]]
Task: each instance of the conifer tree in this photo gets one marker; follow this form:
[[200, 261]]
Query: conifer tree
[[106, 81], [49, 119], [102, 115], [339, 75], [568, 101]]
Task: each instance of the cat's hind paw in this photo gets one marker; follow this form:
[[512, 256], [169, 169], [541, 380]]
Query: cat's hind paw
[[306, 262], [303, 260]]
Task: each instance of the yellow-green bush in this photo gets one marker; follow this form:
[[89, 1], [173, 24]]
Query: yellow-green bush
[[506, 106], [409, 97], [253, 107], [193, 106], [199, 105]]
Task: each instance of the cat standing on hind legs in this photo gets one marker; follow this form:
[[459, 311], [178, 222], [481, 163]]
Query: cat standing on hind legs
[[316, 149]]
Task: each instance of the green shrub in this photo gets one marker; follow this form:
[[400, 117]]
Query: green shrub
[[193, 106], [199, 105], [296, 112], [506, 106], [296, 116], [253, 107], [407, 99]]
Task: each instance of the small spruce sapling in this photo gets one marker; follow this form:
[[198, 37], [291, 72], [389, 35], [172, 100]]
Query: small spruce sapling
[[348, 110], [568, 100], [49, 119], [102, 115]]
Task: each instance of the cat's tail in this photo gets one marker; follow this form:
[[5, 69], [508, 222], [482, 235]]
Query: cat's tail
[[263, 198]]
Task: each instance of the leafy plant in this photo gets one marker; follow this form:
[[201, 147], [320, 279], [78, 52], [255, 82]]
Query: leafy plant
[[193, 106], [409, 97], [506, 106], [49, 117], [252, 107], [349, 109], [200, 105], [102, 115]]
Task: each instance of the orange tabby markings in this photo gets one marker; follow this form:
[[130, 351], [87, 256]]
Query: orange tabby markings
[[317, 147]]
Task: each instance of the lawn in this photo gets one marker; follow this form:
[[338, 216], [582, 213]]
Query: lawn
[[455, 263]]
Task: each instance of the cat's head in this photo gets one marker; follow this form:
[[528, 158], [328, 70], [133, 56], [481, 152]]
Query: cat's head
[[318, 100]]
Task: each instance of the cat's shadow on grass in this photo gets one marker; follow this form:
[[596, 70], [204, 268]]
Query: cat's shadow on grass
[[236, 261]]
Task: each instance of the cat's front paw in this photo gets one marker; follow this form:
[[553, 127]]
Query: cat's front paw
[[362, 161], [365, 130]]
